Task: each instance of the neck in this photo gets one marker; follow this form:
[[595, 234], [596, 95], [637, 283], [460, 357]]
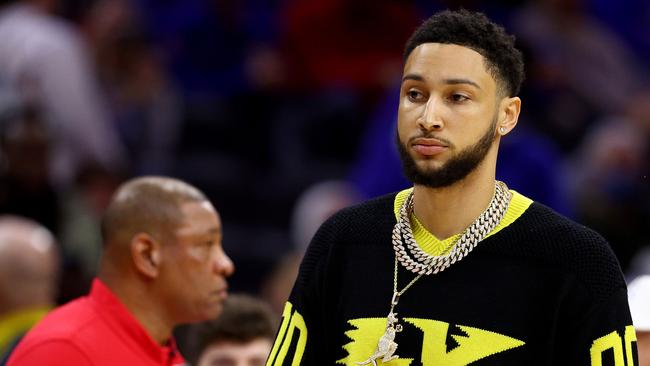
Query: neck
[[448, 211], [136, 296]]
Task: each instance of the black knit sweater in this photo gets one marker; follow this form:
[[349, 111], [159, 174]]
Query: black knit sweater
[[542, 291]]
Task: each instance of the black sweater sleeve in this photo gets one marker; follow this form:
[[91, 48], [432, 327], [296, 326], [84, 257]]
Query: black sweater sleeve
[[302, 336], [595, 325]]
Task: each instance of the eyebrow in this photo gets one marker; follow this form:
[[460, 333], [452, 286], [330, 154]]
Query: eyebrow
[[454, 81], [461, 81], [415, 77]]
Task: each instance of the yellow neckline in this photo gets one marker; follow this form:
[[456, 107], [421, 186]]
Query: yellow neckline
[[434, 246]]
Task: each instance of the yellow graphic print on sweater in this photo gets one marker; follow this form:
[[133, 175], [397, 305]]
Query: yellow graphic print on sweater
[[476, 344]]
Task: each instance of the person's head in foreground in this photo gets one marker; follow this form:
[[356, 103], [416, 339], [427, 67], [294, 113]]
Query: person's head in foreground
[[459, 269], [241, 336], [461, 78]]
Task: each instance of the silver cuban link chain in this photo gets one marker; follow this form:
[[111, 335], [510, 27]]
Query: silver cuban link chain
[[421, 263], [413, 258]]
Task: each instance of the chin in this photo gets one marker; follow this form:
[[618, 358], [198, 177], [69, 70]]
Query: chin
[[209, 312], [214, 311], [428, 167]]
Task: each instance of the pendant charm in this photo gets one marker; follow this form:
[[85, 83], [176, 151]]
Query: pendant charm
[[386, 347]]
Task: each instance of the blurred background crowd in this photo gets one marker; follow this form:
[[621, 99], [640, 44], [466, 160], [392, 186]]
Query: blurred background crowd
[[284, 111]]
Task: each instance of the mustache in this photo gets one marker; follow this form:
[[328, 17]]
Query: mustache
[[430, 136]]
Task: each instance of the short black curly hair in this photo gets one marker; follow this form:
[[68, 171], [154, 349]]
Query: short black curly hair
[[474, 30]]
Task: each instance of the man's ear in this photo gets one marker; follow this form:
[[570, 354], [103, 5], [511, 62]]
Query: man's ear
[[509, 109], [146, 253]]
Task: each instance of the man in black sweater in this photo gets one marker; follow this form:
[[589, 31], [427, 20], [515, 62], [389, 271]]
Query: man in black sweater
[[459, 269]]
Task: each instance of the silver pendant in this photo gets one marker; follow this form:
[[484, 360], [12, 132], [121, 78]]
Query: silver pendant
[[387, 346]]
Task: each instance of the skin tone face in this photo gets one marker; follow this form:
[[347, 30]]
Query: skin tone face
[[253, 353], [195, 267], [448, 101], [449, 107]]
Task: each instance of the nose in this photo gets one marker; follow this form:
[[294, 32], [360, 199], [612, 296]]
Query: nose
[[223, 265], [430, 119]]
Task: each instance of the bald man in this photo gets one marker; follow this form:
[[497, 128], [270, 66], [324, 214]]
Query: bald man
[[163, 265], [28, 278]]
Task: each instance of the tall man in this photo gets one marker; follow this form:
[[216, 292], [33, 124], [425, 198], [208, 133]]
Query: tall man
[[163, 265], [459, 269]]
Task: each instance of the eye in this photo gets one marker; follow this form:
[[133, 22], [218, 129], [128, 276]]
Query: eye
[[414, 95], [458, 98]]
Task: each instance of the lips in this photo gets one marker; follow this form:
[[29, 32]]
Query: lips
[[218, 297], [428, 146], [221, 292]]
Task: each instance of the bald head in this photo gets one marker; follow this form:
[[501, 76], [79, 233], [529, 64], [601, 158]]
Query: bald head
[[163, 256], [149, 205], [28, 264]]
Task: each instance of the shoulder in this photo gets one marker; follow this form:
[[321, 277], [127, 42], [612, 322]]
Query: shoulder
[[562, 235], [67, 320], [356, 224], [357, 221], [544, 236], [364, 216], [69, 328], [49, 351]]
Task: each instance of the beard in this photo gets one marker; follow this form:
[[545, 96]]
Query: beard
[[452, 171]]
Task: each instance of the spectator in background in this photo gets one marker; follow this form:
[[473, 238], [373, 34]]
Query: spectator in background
[[589, 58], [314, 206], [610, 177], [28, 278], [640, 263], [360, 49], [25, 188], [163, 265], [579, 68], [143, 103], [82, 208], [241, 336], [46, 61], [639, 295], [206, 42]]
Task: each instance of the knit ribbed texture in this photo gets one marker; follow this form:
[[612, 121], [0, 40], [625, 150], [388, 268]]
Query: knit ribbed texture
[[539, 235], [550, 286]]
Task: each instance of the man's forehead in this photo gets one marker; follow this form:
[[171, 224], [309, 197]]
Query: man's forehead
[[449, 61], [197, 207], [200, 213]]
